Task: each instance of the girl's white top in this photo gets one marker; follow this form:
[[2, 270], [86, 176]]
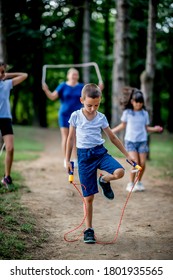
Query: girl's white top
[[88, 132], [136, 122]]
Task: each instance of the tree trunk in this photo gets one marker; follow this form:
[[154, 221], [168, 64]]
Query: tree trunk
[[1, 47], [120, 59], [86, 42], [170, 102], [147, 77], [39, 98], [2, 38], [107, 86]]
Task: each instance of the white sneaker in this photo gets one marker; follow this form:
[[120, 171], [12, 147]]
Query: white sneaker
[[140, 187], [130, 186]]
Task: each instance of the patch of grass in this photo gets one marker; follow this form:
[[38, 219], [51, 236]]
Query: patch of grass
[[27, 227], [25, 156], [26, 145], [10, 246], [19, 233], [161, 152], [112, 149]]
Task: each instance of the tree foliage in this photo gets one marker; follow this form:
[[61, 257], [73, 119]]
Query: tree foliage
[[39, 32]]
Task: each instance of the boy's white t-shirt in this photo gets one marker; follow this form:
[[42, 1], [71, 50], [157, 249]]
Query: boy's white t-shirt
[[136, 122], [88, 132]]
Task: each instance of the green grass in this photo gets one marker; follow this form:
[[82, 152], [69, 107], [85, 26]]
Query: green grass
[[19, 233], [26, 146], [161, 153]]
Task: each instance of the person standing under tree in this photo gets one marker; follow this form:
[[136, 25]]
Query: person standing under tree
[[86, 125], [7, 82], [69, 93], [135, 121]]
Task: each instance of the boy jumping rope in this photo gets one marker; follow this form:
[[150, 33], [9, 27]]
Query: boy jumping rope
[[87, 125]]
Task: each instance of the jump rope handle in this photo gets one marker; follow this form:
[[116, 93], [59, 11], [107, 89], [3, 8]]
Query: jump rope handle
[[135, 165], [71, 176]]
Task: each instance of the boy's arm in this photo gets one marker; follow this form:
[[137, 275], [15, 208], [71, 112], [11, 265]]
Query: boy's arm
[[119, 127], [17, 78], [51, 95], [69, 146], [116, 141]]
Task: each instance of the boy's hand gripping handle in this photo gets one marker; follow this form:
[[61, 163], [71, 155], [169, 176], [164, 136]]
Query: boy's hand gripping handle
[[135, 165], [71, 176]]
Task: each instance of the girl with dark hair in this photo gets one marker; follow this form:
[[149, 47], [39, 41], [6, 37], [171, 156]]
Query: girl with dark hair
[[135, 121]]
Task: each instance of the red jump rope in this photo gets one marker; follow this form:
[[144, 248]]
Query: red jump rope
[[71, 180]]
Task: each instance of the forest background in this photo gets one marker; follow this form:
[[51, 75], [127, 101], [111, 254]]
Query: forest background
[[126, 38], [39, 32]]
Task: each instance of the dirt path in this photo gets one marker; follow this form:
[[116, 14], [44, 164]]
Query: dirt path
[[146, 231]]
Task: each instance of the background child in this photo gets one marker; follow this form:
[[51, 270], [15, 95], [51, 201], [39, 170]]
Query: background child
[[7, 82], [135, 121], [87, 125]]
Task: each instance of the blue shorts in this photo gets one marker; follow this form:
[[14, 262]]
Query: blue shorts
[[139, 147], [89, 160]]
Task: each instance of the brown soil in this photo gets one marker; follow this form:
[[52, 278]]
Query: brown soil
[[146, 230]]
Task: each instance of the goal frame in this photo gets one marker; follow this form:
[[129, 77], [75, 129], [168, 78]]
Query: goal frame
[[80, 65]]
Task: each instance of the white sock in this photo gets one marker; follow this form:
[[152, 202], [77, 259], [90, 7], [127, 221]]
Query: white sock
[[102, 180]]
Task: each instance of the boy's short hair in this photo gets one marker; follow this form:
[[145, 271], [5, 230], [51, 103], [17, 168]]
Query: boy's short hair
[[91, 90]]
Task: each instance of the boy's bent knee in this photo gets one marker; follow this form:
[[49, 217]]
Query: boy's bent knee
[[119, 173]]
